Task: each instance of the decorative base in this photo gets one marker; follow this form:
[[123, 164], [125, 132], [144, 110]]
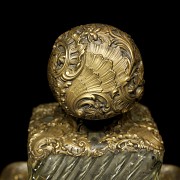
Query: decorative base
[[63, 147]]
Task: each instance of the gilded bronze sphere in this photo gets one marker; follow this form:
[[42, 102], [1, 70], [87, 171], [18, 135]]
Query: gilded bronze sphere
[[95, 71]]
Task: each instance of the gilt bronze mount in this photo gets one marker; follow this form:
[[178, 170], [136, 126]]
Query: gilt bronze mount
[[95, 71], [97, 129]]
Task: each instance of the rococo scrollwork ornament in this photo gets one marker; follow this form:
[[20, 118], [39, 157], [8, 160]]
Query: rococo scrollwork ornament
[[97, 129], [96, 71]]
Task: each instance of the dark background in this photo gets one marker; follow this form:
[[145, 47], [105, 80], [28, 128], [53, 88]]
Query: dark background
[[28, 32]]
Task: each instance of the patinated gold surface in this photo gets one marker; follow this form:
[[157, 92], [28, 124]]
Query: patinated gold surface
[[52, 131], [95, 71], [169, 172], [15, 171]]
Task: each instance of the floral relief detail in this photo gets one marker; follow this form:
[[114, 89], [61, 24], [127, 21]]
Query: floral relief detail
[[52, 131], [96, 60]]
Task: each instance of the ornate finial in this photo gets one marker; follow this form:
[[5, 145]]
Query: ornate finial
[[95, 71]]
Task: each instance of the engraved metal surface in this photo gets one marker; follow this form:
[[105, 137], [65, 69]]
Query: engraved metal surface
[[95, 71]]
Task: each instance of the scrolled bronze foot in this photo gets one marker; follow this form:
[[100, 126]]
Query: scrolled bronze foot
[[15, 171]]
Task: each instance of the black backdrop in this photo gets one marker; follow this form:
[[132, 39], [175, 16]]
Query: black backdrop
[[28, 32]]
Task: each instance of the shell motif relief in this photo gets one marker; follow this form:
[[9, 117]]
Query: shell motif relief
[[95, 71]]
